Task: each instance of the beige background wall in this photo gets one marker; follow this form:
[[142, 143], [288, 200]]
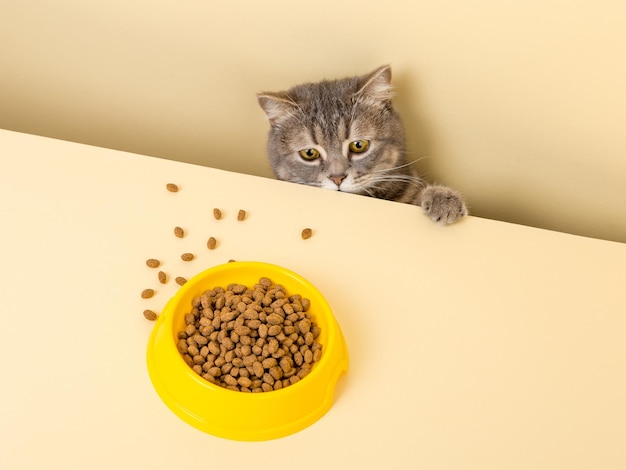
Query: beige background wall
[[520, 104]]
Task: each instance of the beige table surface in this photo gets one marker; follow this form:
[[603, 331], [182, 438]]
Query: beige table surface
[[483, 345]]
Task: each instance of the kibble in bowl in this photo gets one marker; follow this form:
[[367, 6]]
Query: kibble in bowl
[[238, 412]]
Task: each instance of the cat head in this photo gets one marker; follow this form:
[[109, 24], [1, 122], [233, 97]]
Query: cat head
[[336, 134]]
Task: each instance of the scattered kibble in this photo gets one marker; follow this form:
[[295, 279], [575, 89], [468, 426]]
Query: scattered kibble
[[270, 328], [171, 187], [147, 293], [211, 243], [232, 340], [150, 315]]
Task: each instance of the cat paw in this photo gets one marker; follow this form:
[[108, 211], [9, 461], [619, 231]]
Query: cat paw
[[442, 204]]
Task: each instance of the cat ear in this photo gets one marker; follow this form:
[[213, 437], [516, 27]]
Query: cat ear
[[276, 106], [377, 84]]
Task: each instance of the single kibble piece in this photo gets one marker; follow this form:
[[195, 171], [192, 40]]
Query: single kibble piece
[[212, 243], [306, 233], [241, 215], [179, 232], [187, 256], [162, 277], [180, 280], [217, 214], [171, 187], [153, 263], [150, 315], [147, 293]]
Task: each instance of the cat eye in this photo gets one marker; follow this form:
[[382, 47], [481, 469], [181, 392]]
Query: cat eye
[[359, 146], [309, 154]]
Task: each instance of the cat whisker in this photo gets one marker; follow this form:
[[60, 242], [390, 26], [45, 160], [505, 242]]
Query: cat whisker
[[393, 168], [381, 184], [413, 180], [368, 191]]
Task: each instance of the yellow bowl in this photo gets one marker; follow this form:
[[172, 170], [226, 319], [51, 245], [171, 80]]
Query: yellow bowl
[[239, 415]]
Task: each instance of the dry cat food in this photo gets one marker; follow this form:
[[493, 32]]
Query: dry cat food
[[162, 277], [241, 215], [217, 214], [250, 339], [306, 233], [187, 256], [147, 293], [211, 243], [180, 280], [153, 263], [179, 232], [150, 315], [171, 187]]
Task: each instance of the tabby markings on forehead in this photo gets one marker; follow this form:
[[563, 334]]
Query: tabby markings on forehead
[[329, 134]]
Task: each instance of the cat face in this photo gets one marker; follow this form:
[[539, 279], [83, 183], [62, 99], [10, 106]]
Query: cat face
[[342, 135]]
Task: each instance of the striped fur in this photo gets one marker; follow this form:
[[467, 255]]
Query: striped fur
[[326, 117]]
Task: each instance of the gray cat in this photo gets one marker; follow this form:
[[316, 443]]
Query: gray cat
[[345, 135]]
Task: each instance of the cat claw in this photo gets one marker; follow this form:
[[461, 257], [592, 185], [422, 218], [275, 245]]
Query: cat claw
[[442, 204]]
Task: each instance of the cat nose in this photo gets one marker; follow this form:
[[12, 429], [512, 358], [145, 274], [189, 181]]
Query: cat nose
[[337, 179]]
